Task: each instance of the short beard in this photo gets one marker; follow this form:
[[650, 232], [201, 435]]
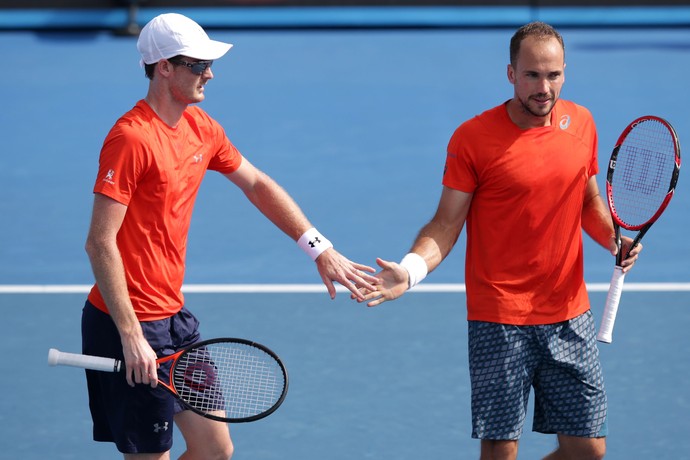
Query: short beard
[[527, 109]]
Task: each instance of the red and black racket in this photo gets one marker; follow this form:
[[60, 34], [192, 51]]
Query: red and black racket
[[640, 182], [226, 379]]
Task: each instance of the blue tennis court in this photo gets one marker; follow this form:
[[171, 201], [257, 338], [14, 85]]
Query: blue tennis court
[[354, 124]]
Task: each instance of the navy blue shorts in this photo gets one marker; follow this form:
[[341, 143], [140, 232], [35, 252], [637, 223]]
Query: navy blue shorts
[[139, 419], [560, 361]]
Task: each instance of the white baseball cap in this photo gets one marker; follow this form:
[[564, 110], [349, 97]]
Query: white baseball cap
[[173, 34]]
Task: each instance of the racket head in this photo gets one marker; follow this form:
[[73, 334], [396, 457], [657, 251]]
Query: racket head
[[230, 380], [642, 172]]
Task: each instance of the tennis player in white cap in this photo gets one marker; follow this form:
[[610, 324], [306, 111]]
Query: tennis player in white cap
[[151, 166]]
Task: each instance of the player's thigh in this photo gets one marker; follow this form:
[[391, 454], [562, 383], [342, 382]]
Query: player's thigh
[[205, 438], [570, 397], [502, 359], [581, 448]]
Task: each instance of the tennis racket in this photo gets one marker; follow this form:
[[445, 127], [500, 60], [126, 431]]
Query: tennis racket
[[640, 182], [228, 380]]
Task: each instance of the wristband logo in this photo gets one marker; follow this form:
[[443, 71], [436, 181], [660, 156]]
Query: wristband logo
[[313, 243]]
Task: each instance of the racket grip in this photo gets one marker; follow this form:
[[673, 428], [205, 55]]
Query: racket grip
[[95, 363], [611, 308]]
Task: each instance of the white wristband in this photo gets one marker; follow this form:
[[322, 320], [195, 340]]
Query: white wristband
[[313, 243], [416, 268]]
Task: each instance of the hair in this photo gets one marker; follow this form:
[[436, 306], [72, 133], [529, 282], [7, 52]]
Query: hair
[[150, 69], [536, 29]]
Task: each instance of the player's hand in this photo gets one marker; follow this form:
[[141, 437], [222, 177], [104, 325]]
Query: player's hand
[[333, 266], [392, 283], [140, 362], [626, 243]]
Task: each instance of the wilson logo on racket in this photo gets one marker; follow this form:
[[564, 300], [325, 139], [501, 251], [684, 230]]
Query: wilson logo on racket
[[199, 377]]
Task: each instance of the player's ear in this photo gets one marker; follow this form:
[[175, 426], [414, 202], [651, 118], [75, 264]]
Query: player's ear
[[164, 66], [564, 72], [511, 74]]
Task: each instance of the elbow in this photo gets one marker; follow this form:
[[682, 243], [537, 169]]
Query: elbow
[[90, 248], [94, 247]]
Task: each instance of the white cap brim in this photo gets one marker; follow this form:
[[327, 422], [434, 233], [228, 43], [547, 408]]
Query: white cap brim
[[210, 51]]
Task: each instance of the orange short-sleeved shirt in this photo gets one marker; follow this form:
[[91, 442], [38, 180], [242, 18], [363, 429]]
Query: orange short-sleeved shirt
[[524, 261], [156, 171]]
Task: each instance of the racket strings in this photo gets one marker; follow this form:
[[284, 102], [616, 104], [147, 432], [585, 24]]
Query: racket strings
[[643, 171], [238, 379]]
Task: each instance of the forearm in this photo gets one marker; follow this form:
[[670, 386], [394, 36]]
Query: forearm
[[109, 272], [431, 246], [436, 239], [595, 216], [596, 221], [277, 205], [434, 242]]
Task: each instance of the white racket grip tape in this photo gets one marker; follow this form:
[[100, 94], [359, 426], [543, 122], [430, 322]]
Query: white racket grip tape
[[95, 363], [608, 318]]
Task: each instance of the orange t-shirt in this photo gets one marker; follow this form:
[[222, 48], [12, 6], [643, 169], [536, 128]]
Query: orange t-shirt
[[524, 261], [156, 171]]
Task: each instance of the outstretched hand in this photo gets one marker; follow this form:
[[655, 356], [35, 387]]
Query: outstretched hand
[[392, 282], [333, 266]]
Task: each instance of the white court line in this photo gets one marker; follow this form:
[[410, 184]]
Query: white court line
[[311, 288]]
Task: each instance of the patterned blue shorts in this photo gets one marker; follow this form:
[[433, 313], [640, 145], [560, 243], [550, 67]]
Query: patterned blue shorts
[[560, 361]]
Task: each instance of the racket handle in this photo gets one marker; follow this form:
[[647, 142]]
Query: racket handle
[[95, 363], [611, 308]]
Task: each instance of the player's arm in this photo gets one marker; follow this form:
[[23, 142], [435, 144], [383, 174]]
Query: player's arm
[[106, 263], [433, 243], [277, 205], [596, 222]]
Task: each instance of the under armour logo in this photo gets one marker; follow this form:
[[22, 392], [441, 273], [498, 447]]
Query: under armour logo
[[198, 158], [157, 427], [314, 242]]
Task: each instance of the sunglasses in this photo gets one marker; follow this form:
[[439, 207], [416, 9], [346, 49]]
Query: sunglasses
[[197, 68]]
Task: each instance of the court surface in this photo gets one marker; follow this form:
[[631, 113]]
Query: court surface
[[354, 124]]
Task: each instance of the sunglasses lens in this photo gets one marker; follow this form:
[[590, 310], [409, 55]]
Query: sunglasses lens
[[200, 67]]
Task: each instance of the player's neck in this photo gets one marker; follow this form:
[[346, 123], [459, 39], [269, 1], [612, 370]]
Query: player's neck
[[167, 109]]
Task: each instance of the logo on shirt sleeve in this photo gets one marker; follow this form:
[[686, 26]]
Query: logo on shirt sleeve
[[109, 177]]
